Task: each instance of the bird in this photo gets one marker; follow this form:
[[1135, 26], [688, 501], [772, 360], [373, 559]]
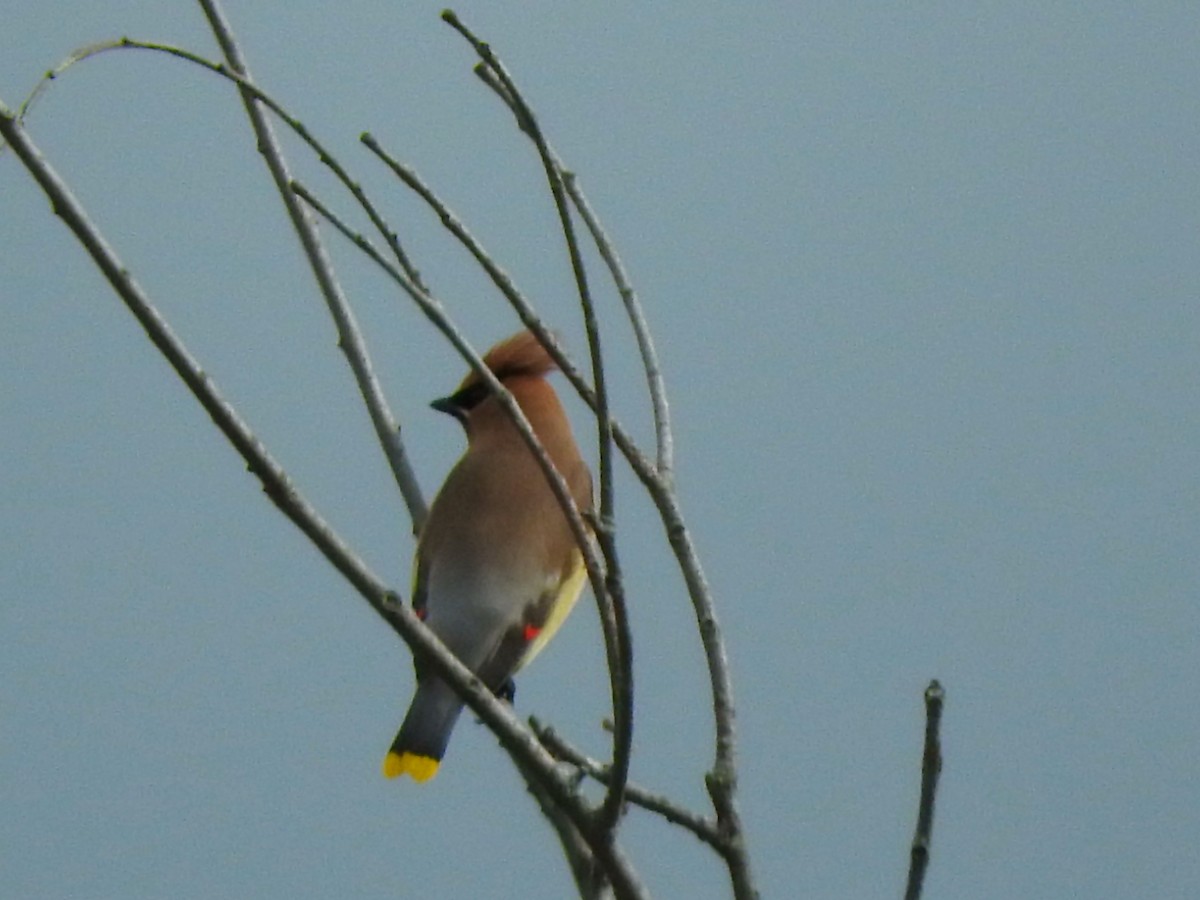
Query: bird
[[497, 567]]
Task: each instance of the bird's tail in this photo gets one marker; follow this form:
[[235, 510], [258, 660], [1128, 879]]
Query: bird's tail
[[421, 742]]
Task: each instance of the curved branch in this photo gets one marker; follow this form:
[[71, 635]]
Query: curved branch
[[637, 318], [633, 306], [721, 781], [350, 339]]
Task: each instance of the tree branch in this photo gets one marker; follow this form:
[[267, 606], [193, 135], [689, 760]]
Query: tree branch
[[350, 339], [703, 828], [931, 768], [590, 878], [633, 306]]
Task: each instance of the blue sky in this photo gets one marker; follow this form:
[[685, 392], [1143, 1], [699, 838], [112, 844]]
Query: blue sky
[[926, 285]]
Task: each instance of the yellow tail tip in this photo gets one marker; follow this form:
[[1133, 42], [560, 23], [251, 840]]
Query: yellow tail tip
[[420, 768]]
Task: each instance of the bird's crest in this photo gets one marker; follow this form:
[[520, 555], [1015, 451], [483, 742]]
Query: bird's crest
[[520, 354]]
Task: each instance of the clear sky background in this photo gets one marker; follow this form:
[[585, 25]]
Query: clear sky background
[[926, 285]]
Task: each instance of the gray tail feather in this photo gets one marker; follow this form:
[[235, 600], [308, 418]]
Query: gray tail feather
[[430, 719]]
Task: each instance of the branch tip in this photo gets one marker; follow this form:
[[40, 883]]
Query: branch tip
[[931, 768]]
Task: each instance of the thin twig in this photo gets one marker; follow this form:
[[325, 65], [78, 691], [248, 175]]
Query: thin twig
[[324, 155], [350, 338], [633, 307], [501, 279], [641, 329], [76, 56], [931, 768], [702, 827], [590, 878]]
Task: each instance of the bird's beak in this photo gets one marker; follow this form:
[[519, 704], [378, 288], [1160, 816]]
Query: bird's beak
[[445, 405]]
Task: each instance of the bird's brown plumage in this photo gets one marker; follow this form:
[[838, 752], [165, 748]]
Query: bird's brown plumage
[[521, 354], [497, 566]]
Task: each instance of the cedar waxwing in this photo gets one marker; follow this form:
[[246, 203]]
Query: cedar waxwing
[[497, 568]]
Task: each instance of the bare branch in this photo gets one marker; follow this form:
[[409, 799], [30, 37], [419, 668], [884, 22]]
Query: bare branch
[[76, 56], [590, 879], [703, 828], [931, 768], [633, 306], [350, 339]]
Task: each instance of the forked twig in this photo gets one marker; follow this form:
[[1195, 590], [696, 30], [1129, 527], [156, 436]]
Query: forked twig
[[702, 827]]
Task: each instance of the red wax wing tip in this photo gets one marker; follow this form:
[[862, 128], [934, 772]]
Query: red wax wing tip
[[421, 613], [531, 631]]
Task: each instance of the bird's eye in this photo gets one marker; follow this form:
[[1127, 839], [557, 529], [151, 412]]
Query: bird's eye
[[470, 397]]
